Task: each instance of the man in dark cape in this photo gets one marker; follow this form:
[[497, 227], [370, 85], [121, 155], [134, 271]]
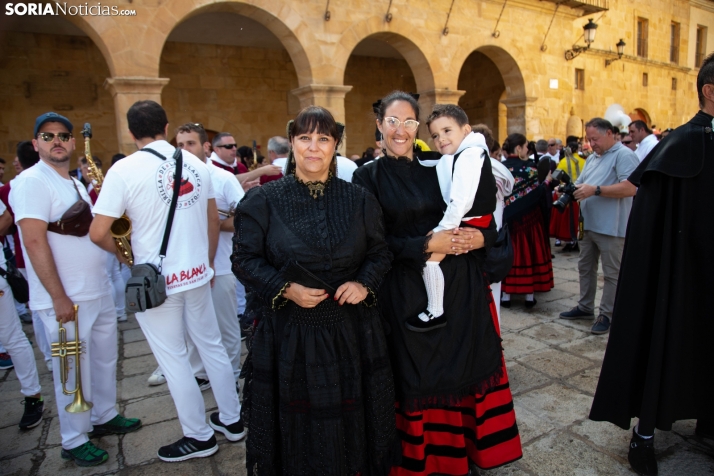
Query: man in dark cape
[[659, 365]]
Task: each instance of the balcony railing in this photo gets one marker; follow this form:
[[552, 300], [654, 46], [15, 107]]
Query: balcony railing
[[587, 6]]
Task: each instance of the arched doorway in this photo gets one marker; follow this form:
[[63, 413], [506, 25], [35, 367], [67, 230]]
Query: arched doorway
[[62, 71], [640, 114], [230, 73], [494, 88], [375, 68]]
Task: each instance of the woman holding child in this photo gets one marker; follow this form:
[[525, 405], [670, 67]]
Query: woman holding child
[[454, 406]]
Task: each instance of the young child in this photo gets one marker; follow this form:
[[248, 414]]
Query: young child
[[469, 191]]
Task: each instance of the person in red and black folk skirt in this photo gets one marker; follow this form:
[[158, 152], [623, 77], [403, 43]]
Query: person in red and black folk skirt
[[526, 214], [454, 406]]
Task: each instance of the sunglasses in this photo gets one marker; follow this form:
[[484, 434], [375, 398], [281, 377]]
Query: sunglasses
[[626, 142], [50, 136], [228, 146], [551, 145], [410, 125]]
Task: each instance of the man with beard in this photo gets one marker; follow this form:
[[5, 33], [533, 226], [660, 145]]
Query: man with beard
[[658, 365], [59, 281]]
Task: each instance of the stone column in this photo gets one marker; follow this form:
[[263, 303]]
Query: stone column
[[331, 97], [427, 99], [521, 116], [126, 91]]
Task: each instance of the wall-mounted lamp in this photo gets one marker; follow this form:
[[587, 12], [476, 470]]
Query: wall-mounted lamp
[[620, 50], [589, 36]]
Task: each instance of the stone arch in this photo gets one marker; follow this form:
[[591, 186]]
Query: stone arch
[[88, 26], [416, 49], [133, 48], [510, 88], [639, 114]]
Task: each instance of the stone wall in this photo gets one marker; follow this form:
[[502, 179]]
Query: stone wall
[[65, 74], [371, 79], [245, 91]]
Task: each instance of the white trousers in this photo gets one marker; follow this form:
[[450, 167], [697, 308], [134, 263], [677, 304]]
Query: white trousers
[[119, 274], [496, 292], [222, 292], [98, 328], [41, 338], [16, 343], [167, 328], [240, 297]]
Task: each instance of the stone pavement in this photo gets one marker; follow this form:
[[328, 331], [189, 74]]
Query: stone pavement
[[553, 366]]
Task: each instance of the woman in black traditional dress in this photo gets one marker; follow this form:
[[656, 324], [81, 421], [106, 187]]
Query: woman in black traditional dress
[[454, 405], [319, 393]]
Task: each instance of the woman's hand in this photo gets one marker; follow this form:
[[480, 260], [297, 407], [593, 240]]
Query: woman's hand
[[351, 292], [456, 241], [303, 296]]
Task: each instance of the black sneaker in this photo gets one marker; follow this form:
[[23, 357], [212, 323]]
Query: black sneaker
[[642, 456], [576, 313], [203, 384], [233, 432], [601, 326], [704, 429], [417, 325], [187, 448], [116, 426], [33, 413], [85, 455]]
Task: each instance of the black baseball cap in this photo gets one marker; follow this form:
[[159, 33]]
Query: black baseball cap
[[52, 117]]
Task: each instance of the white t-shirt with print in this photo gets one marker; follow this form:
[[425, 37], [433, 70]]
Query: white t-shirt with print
[[141, 185], [9, 238], [43, 194], [228, 193]]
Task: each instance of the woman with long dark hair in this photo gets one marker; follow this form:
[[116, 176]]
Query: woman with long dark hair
[[319, 393], [526, 214], [454, 406]]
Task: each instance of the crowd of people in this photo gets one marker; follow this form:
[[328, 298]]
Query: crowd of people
[[367, 286]]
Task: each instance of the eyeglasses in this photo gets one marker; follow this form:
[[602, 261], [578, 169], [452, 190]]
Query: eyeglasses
[[626, 142], [410, 125], [551, 145], [50, 136], [228, 146]]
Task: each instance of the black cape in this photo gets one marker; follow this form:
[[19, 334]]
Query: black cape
[[658, 364]]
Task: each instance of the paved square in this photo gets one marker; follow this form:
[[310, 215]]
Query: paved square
[[553, 367]]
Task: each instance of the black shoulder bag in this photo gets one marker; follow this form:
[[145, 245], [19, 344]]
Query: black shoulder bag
[[146, 289], [15, 279], [499, 258]]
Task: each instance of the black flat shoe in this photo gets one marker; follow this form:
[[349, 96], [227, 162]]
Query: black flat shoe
[[642, 455], [704, 429], [530, 304], [506, 304], [417, 325]]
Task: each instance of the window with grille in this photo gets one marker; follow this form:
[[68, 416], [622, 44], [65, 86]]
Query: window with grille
[[642, 25], [674, 43], [579, 79], [701, 46]]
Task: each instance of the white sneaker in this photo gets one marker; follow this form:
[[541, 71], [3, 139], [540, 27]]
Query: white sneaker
[[49, 365], [157, 377], [121, 318]]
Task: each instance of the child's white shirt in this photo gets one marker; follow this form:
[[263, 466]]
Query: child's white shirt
[[459, 188]]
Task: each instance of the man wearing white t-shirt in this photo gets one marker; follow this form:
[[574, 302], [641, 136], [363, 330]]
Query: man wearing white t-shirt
[[65, 270], [193, 138], [142, 186]]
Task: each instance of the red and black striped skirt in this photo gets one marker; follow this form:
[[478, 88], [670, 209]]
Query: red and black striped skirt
[[532, 269], [480, 430]]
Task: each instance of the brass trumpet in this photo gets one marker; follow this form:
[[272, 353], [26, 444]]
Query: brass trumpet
[[64, 350], [121, 227]]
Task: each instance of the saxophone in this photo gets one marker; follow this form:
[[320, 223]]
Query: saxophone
[[121, 228]]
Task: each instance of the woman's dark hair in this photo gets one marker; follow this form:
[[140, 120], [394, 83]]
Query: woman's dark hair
[[512, 141], [487, 134], [146, 119], [531, 147], [369, 153], [494, 147], [381, 106], [315, 119], [448, 110]]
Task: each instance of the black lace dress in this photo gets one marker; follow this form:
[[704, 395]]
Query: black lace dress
[[319, 393]]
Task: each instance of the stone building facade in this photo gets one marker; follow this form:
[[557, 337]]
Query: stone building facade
[[248, 66]]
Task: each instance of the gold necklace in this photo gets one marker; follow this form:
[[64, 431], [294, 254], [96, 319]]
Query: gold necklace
[[316, 188]]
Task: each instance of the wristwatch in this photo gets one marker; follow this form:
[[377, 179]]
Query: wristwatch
[[598, 191]]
